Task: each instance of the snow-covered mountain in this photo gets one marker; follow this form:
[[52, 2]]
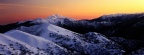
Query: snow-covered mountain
[[26, 43], [55, 40], [72, 40], [53, 19], [58, 35]]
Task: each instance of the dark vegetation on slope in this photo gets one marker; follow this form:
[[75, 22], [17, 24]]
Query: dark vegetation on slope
[[5, 28], [129, 26]]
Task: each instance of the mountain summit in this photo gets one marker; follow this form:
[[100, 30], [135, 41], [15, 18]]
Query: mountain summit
[[56, 16], [53, 19]]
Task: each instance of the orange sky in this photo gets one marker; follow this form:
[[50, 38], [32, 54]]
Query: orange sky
[[16, 10]]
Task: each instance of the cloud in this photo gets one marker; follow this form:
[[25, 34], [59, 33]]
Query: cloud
[[10, 1], [5, 6]]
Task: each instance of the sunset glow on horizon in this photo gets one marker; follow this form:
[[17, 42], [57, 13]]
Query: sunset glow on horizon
[[16, 10]]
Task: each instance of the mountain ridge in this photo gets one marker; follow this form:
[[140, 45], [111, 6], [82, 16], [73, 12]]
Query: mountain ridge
[[108, 34]]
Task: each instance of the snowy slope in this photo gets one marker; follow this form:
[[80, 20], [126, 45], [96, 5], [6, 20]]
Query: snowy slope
[[37, 42], [9, 45], [94, 37], [47, 29], [72, 40]]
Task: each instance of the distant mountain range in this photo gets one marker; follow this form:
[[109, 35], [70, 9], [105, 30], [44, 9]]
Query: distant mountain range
[[116, 34]]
